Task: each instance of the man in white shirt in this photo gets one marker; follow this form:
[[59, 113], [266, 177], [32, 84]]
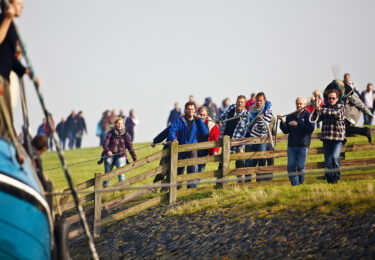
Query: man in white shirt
[[368, 99]]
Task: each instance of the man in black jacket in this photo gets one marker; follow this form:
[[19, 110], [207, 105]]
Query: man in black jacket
[[299, 129]]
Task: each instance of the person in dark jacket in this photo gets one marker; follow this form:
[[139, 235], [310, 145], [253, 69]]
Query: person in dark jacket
[[81, 128], [174, 114], [71, 126], [114, 147], [299, 129], [163, 135], [187, 129], [61, 131], [130, 124]]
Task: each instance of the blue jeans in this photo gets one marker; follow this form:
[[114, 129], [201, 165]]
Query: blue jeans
[[62, 142], [254, 162], [332, 150], [109, 162], [72, 137], [367, 120], [296, 164]]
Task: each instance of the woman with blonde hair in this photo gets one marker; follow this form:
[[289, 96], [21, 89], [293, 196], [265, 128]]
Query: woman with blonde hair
[[114, 147]]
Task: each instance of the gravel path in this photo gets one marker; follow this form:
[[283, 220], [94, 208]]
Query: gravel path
[[240, 235]]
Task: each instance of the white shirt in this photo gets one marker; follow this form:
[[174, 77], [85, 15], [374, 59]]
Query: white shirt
[[369, 99]]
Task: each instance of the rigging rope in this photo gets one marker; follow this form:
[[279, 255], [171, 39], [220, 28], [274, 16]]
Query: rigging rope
[[103, 157], [168, 185], [55, 139]]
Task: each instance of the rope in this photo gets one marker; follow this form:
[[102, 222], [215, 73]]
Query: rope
[[264, 176], [100, 158], [55, 138]]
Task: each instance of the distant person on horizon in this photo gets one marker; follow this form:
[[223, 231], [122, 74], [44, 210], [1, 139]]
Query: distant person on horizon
[[71, 126], [174, 114], [367, 97], [211, 108], [251, 101], [299, 130], [62, 132], [46, 130], [122, 114], [103, 126], [187, 129], [115, 145], [224, 106], [130, 124], [81, 129], [347, 80], [192, 99]]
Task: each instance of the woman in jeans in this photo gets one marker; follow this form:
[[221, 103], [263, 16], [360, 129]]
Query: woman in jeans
[[114, 147], [332, 115]]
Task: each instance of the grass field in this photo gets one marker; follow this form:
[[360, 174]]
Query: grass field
[[351, 193]]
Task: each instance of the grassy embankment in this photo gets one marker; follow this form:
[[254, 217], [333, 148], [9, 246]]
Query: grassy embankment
[[352, 193]]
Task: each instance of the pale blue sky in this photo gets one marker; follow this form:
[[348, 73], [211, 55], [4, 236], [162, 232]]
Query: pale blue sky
[[147, 54]]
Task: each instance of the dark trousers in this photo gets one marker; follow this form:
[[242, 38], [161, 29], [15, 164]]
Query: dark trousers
[[190, 168], [255, 162], [352, 130]]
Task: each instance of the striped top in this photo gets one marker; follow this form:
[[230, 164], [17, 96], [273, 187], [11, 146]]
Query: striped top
[[257, 124]]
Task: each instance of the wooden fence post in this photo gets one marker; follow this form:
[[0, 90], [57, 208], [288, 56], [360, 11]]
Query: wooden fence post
[[173, 173], [97, 205], [225, 160]]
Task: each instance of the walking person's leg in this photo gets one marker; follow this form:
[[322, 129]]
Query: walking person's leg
[[108, 166], [336, 150], [192, 169], [120, 162], [301, 156], [292, 165], [327, 149], [261, 162]]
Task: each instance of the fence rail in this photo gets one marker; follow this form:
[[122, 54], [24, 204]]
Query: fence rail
[[94, 204]]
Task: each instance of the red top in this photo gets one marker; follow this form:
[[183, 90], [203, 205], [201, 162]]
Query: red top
[[214, 135], [249, 103]]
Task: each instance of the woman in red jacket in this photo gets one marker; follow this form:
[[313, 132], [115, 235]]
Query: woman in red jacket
[[214, 134]]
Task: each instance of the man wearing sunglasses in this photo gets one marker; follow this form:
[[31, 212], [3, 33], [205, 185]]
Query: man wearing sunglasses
[[332, 116]]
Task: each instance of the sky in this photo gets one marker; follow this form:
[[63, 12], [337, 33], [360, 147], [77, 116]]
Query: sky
[[147, 54]]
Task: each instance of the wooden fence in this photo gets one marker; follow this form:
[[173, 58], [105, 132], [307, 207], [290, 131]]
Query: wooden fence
[[92, 201]]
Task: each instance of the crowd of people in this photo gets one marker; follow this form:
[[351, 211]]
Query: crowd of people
[[70, 129], [107, 121], [337, 112]]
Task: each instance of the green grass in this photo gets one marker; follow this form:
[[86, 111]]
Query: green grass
[[87, 170], [350, 193]]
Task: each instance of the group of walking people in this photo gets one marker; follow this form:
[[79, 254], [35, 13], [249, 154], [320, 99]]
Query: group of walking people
[[72, 130], [338, 111]]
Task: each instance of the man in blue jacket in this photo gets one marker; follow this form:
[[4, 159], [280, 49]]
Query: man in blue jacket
[[299, 129], [187, 129]]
